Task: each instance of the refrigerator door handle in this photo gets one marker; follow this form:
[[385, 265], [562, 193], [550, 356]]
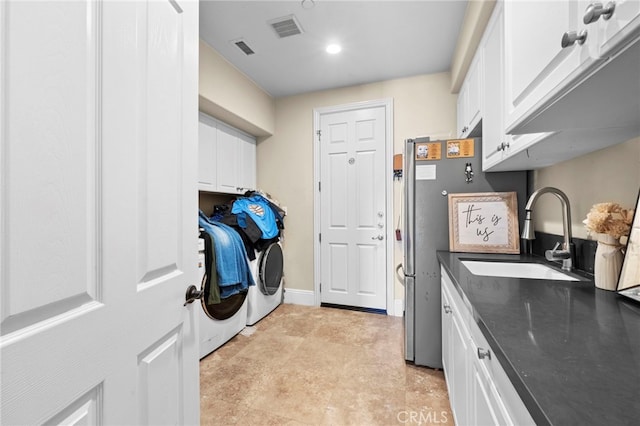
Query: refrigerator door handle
[[404, 274], [400, 277]]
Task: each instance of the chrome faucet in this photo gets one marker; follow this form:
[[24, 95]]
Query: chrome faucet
[[567, 254]]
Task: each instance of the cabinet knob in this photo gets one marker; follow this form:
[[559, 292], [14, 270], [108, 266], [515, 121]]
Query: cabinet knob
[[484, 353], [447, 309], [503, 146], [596, 10], [571, 37]]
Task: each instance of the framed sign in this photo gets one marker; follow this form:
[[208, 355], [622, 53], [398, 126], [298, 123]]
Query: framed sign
[[484, 222], [630, 274]]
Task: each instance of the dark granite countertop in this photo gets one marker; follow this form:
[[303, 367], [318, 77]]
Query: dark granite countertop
[[572, 351]]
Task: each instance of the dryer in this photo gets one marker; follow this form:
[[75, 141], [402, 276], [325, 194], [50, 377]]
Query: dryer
[[268, 273], [218, 323]]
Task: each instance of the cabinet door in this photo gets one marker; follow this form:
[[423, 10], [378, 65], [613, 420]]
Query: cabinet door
[[482, 410], [462, 110], [207, 136], [227, 159], [246, 162], [446, 332], [98, 123], [612, 34], [470, 98], [474, 92], [537, 67], [493, 136], [459, 389], [487, 406]]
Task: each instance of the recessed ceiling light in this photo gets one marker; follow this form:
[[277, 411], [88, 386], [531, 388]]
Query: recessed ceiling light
[[334, 48]]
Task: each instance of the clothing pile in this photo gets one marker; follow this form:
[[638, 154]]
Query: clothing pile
[[232, 236]]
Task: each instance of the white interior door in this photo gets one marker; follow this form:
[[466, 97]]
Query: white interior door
[[99, 229], [353, 246]]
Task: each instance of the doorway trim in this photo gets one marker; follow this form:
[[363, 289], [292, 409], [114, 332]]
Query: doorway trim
[[387, 104]]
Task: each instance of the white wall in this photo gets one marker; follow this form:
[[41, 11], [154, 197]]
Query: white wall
[[608, 175], [423, 105]]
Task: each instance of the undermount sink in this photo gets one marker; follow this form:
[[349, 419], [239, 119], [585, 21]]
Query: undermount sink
[[535, 271]]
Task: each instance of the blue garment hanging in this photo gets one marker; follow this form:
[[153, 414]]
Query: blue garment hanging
[[232, 266]]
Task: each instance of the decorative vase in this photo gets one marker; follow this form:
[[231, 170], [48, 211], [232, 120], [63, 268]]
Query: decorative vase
[[608, 262]]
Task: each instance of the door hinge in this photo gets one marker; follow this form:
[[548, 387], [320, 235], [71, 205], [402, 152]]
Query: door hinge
[[320, 287], [319, 186], [320, 237]]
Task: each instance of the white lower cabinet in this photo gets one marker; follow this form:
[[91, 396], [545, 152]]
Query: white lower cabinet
[[479, 391], [486, 399]]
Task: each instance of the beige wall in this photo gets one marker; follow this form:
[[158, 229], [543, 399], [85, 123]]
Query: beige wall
[[423, 105], [611, 174], [230, 96], [475, 21]]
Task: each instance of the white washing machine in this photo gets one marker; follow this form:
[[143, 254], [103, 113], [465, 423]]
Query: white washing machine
[[266, 295], [219, 323]]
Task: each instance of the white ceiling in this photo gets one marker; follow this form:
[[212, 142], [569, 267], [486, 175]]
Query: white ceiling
[[380, 40]]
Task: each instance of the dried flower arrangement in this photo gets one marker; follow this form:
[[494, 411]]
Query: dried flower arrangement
[[609, 218]]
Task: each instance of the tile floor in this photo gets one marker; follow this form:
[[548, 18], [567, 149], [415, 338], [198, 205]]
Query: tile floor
[[320, 366]]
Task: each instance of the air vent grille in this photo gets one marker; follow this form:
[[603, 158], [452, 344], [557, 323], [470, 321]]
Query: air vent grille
[[242, 45], [286, 26]]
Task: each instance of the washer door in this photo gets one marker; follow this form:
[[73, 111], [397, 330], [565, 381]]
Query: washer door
[[226, 308], [270, 269]]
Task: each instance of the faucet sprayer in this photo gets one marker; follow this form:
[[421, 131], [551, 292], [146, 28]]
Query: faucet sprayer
[[567, 252]]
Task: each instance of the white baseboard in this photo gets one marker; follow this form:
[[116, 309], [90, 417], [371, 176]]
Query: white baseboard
[[307, 298], [398, 307], [299, 297]]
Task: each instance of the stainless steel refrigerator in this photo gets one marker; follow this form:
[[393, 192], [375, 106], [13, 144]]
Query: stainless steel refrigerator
[[429, 176]]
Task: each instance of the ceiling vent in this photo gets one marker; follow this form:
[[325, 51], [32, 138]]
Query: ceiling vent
[[286, 26], [242, 45]]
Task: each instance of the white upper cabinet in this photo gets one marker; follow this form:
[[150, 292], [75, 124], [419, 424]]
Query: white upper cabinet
[[537, 66], [564, 74], [613, 24], [497, 146], [247, 162], [494, 139], [207, 147], [470, 98], [227, 158], [549, 104]]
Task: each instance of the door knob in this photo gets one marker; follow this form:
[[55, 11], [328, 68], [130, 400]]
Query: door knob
[[192, 295], [379, 237], [595, 11]]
